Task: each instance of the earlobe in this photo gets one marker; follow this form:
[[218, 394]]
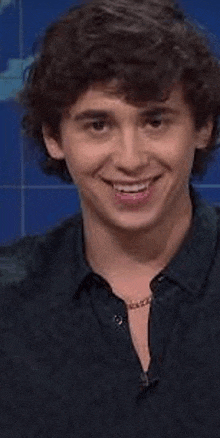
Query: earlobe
[[52, 145]]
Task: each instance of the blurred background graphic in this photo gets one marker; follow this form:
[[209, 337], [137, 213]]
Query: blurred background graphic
[[31, 202]]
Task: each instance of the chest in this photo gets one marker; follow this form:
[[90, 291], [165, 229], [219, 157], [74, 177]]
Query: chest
[[137, 318], [138, 326]]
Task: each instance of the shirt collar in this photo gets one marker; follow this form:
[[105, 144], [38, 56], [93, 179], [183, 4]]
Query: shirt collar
[[189, 267]]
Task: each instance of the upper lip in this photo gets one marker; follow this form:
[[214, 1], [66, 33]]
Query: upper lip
[[143, 181]]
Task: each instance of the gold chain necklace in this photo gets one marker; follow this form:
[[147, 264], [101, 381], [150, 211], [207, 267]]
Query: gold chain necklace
[[136, 304]]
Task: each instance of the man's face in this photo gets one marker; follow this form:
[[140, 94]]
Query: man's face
[[124, 144]]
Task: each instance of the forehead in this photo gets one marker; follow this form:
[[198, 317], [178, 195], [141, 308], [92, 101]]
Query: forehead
[[99, 94]]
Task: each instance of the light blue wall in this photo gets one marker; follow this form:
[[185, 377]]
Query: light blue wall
[[31, 202]]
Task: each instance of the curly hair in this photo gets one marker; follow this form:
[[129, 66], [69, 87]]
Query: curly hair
[[147, 45]]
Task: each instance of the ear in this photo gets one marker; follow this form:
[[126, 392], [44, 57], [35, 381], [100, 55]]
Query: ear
[[204, 135], [53, 147]]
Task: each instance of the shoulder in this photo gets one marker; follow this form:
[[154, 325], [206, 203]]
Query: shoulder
[[216, 209], [212, 230], [15, 258], [31, 253]]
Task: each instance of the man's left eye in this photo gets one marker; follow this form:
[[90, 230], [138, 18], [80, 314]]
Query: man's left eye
[[96, 125], [155, 122]]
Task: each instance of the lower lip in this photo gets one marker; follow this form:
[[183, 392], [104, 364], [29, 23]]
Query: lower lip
[[135, 199]]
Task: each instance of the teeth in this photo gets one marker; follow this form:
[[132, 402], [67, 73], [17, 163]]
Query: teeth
[[131, 188]]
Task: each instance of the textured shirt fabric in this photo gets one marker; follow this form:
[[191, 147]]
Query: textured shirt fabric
[[68, 368]]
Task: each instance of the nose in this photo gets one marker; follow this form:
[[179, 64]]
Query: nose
[[131, 151]]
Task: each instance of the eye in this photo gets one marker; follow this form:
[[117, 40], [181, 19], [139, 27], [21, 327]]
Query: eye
[[97, 125], [155, 122]]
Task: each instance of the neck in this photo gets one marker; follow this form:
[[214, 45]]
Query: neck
[[121, 252]]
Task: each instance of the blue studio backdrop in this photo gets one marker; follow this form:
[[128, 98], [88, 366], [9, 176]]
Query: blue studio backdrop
[[31, 202]]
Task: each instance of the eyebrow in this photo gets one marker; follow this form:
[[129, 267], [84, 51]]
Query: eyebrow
[[104, 114]]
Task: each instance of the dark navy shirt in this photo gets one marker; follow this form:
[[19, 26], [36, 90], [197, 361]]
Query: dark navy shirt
[[68, 368]]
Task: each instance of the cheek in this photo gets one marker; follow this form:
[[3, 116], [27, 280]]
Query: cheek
[[179, 150], [78, 163]]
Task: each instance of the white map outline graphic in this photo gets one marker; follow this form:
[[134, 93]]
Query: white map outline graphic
[[11, 80], [5, 4]]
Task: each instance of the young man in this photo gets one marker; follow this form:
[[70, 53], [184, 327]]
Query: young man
[[110, 322]]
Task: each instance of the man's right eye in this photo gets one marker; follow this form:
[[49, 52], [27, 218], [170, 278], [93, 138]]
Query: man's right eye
[[95, 126]]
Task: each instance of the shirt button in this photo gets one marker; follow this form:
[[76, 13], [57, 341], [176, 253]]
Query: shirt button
[[118, 319], [144, 380]]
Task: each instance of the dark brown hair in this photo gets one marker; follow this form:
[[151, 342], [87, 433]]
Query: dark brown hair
[[148, 45]]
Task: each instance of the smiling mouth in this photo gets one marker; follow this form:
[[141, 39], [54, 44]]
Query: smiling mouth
[[141, 190]]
